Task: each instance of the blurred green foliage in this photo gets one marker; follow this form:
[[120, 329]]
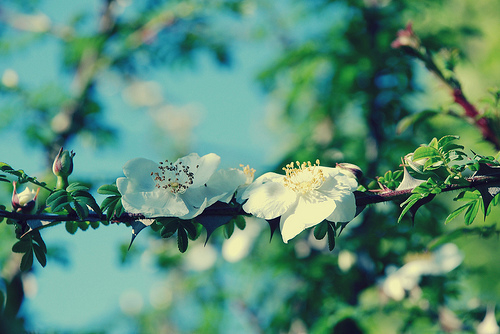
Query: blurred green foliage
[[342, 93]]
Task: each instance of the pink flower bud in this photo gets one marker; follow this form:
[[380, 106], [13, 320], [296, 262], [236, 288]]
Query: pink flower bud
[[406, 37], [25, 201], [63, 163]]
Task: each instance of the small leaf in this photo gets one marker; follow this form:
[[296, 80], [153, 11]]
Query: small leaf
[[408, 206], [228, 229], [75, 186], [455, 213], [182, 240], [425, 152], [240, 222], [71, 227], [38, 238], [55, 196], [40, 255], [81, 210], [471, 212], [191, 229], [83, 225], [108, 189], [27, 261], [22, 246], [331, 237], [446, 140], [85, 198], [321, 229]]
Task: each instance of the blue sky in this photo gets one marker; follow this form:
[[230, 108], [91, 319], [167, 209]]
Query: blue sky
[[232, 123]]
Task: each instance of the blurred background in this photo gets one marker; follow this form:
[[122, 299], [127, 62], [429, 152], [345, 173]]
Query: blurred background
[[260, 83]]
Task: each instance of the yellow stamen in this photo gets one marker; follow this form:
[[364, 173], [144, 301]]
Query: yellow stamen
[[303, 177]]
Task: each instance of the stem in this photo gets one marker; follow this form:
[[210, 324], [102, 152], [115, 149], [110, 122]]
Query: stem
[[222, 209]]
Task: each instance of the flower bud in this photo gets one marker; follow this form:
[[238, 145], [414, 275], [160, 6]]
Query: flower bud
[[25, 201], [406, 37], [63, 167], [353, 169]]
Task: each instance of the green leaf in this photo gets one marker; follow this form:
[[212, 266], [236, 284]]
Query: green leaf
[[109, 202], [27, 261], [35, 235], [467, 195], [471, 212], [83, 225], [191, 229], [119, 210], [170, 226], [331, 237], [446, 140], [425, 152], [81, 210], [228, 229], [240, 222], [85, 198], [182, 240], [409, 203], [455, 213], [434, 143], [22, 246], [76, 187], [166, 233], [71, 227], [55, 195], [40, 255], [108, 189], [321, 229]]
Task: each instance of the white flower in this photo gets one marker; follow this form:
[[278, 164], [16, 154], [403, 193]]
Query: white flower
[[304, 197], [249, 173], [176, 189], [443, 260]]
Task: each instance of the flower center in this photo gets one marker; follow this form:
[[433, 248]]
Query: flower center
[[175, 177], [303, 177]]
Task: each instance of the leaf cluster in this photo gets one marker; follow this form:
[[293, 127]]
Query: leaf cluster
[[191, 229], [21, 175], [30, 244], [75, 199], [112, 204]]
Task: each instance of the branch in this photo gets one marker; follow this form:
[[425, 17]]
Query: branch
[[227, 210]]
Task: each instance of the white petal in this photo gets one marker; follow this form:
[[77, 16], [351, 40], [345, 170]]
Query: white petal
[[138, 172], [269, 200], [345, 209], [207, 165], [154, 204], [194, 211], [267, 177], [223, 184], [310, 210]]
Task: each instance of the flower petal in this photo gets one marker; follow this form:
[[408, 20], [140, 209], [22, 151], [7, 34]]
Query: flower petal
[[267, 177], [311, 209], [268, 200], [345, 209], [154, 204], [207, 166], [138, 172]]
